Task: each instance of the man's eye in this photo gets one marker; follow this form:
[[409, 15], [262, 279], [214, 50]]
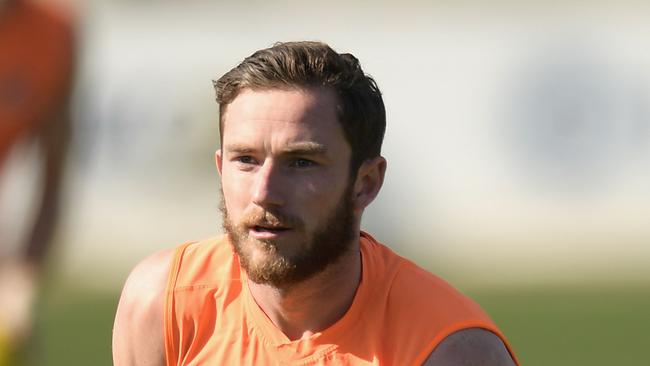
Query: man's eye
[[302, 163], [246, 159]]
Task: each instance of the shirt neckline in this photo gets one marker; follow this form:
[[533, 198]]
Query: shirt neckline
[[274, 337]]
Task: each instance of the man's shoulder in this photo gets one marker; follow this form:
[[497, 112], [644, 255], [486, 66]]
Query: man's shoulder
[[422, 292], [148, 279], [427, 308], [413, 278], [145, 288], [138, 330], [428, 293], [405, 277], [206, 262], [473, 346]]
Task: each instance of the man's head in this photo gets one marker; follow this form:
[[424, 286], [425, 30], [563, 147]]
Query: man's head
[[297, 65], [293, 188]]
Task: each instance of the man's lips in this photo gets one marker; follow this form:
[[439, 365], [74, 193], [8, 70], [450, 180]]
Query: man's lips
[[267, 231], [269, 228]]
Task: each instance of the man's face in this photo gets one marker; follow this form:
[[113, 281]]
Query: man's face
[[284, 164]]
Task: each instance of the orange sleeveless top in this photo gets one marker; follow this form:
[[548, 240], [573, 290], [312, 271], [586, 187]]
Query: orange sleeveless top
[[399, 314], [36, 66]]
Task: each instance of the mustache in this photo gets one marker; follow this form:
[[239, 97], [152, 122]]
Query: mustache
[[260, 217]]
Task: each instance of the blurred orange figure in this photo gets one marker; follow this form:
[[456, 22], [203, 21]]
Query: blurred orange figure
[[37, 57]]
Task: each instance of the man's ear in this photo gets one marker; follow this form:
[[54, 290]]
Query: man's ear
[[218, 159], [370, 178]]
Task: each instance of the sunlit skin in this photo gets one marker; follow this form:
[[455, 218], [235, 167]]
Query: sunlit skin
[[284, 153]]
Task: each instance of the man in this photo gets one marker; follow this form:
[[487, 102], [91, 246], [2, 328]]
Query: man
[[294, 281], [37, 59]]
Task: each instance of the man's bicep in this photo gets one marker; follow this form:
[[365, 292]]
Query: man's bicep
[[138, 331], [471, 347]]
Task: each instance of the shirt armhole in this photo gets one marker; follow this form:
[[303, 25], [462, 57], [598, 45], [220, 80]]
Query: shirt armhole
[[171, 353]]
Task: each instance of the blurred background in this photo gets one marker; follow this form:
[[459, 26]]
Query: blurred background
[[518, 148]]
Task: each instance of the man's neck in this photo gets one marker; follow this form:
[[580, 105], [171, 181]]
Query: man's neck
[[315, 304]]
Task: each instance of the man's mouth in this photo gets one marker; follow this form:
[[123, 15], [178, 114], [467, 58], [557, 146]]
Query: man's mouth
[[270, 229]]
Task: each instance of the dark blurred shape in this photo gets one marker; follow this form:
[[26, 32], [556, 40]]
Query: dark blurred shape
[[37, 62]]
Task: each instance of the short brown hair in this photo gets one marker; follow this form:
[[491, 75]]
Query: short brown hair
[[360, 111]]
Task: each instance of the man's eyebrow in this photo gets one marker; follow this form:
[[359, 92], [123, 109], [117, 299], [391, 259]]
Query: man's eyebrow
[[238, 148], [305, 148], [298, 148]]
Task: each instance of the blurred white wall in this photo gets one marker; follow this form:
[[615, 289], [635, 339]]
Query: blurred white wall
[[518, 137]]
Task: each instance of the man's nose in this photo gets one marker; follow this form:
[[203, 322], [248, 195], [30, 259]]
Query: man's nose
[[267, 190]]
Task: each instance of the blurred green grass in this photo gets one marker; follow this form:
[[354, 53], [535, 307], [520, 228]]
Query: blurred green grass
[[586, 325], [74, 327], [546, 325]]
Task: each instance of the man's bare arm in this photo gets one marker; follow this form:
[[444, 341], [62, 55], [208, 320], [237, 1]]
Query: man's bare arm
[[138, 337], [470, 347]]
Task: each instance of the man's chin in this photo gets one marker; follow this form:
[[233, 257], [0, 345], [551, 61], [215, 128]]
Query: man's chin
[[257, 252], [266, 267], [260, 252]]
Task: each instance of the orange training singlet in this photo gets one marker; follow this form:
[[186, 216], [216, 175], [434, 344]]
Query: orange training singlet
[[36, 65], [399, 314]]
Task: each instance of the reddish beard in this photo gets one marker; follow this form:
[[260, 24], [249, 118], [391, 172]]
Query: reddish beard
[[317, 250]]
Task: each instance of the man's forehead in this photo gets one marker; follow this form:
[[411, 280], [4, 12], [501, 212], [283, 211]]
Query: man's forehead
[[288, 105], [296, 121]]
